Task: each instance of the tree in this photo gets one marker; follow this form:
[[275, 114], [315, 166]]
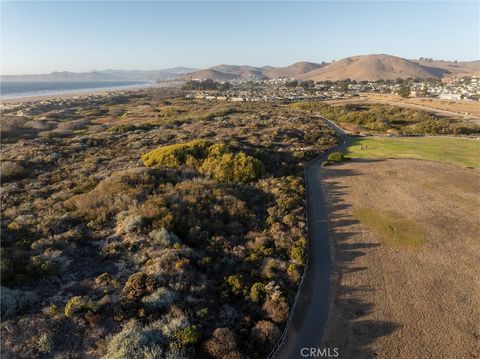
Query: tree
[[404, 91], [292, 84], [307, 85]]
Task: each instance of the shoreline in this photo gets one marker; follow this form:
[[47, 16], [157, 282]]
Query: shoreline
[[82, 93]]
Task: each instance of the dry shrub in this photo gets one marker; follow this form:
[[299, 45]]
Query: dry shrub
[[277, 310], [265, 332], [135, 341], [74, 125], [138, 285], [222, 345], [115, 194], [13, 300], [12, 170]]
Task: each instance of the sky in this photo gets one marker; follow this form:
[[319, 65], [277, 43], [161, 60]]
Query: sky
[[41, 37]]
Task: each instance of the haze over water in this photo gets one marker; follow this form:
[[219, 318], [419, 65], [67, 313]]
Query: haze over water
[[19, 89]]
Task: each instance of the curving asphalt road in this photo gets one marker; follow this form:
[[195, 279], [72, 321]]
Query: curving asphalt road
[[311, 311]]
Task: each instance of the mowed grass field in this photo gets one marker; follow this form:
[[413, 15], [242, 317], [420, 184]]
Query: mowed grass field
[[463, 152], [394, 229]]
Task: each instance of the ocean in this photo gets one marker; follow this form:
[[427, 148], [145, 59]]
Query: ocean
[[19, 89]]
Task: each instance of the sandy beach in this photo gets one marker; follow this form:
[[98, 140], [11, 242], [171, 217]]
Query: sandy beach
[[78, 94]]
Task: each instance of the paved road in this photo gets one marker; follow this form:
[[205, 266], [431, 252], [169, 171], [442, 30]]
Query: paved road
[[311, 312]]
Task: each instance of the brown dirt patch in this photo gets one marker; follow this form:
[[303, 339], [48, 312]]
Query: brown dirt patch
[[402, 301]]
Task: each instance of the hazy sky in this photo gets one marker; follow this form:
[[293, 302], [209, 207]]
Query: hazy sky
[[40, 37]]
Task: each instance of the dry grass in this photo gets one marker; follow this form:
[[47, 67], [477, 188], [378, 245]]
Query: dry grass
[[410, 300], [460, 106]]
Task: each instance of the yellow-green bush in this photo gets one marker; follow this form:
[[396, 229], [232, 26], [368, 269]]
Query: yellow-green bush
[[177, 154], [79, 303], [219, 167], [215, 160], [228, 167], [234, 283], [257, 292], [188, 336], [298, 252]]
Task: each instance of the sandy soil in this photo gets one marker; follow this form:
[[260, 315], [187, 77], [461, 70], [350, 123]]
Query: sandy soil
[[403, 302]]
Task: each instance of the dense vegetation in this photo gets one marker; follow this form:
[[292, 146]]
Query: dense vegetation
[[206, 85], [149, 225], [386, 118]]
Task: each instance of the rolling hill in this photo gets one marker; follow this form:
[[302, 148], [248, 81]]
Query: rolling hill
[[228, 72], [296, 69], [372, 67], [364, 67], [210, 74], [452, 68]]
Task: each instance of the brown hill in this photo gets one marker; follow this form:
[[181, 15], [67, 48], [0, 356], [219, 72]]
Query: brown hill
[[230, 72], [451, 68], [371, 67], [296, 69], [210, 74], [364, 67], [244, 72]]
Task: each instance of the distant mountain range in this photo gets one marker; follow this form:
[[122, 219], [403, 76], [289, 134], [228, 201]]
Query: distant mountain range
[[363, 67], [105, 75], [234, 72]]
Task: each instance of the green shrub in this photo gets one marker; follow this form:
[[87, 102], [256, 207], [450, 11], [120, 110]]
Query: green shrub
[[218, 149], [257, 292], [298, 252], [235, 285], [44, 343], [106, 280], [215, 160], [246, 168], [240, 168], [336, 157], [122, 128], [188, 336], [79, 304], [176, 155]]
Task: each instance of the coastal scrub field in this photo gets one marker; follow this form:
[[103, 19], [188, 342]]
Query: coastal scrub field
[[382, 118], [459, 151], [146, 225]]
